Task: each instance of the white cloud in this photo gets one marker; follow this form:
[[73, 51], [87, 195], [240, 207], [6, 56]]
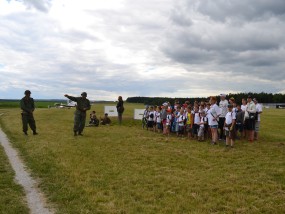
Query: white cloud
[[139, 48]]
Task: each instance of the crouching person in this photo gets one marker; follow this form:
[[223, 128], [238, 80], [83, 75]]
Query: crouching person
[[93, 119], [106, 120], [229, 126]]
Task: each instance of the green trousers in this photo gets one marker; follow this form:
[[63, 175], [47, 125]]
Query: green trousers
[[79, 121], [28, 119]]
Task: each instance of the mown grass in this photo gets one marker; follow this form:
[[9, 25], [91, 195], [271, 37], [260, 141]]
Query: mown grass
[[11, 195], [124, 169], [16, 104]]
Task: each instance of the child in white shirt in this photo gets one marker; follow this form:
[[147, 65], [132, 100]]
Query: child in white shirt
[[202, 123], [150, 118], [181, 119], [196, 121], [244, 104], [229, 126], [158, 119], [154, 118], [168, 121], [175, 119]]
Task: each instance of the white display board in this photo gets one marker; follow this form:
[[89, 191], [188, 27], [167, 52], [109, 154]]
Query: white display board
[[138, 114], [111, 111]]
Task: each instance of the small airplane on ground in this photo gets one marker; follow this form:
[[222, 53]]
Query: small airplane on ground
[[69, 104]]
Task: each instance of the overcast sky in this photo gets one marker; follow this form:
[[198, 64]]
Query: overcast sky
[[171, 48]]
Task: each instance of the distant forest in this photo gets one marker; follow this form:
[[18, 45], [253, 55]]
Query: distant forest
[[261, 97]]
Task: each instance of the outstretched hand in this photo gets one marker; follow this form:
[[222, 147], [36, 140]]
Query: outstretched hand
[[66, 95]]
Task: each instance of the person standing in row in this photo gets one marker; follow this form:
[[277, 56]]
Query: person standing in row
[[224, 108], [164, 117], [28, 106], [83, 104], [249, 117], [213, 117], [120, 109], [229, 126], [257, 118]]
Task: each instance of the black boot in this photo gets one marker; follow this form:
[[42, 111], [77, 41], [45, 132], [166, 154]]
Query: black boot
[[25, 133], [75, 133], [35, 133]]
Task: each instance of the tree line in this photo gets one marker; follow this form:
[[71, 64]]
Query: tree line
[[261, 97]]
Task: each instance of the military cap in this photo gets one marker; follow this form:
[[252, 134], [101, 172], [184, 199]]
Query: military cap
[[84, 94], [27, 92]]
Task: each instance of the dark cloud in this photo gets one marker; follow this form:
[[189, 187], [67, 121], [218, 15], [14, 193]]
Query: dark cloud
[[243, 10], [188, 55], [181, 18], [254, 48]]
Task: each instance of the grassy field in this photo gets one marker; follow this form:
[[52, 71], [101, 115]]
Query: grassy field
[[16, 103], [11, 194], [124, 169]]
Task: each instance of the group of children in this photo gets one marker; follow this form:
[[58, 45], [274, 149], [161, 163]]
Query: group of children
[[94, 121], [199, 121], [179, 119]]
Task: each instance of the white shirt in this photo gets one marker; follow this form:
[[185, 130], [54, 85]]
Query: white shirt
[[196, 118], [150, 118], [213, 112], [181, 120], [207, 111], [158, 117], [175, 106], [224, 107], [230, 116], [203, 120], [258, 109], [250, 108], [168, 119], [243, 107], [145, 113], [154, 116]]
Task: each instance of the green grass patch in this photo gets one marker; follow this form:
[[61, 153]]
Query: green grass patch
[[11, 194], [4, 104], [124, 169]]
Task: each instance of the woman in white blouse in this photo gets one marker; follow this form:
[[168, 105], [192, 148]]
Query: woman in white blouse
[[213, 118]]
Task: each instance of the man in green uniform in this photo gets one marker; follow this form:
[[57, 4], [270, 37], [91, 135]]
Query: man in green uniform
[[28, 106], [83, 104]]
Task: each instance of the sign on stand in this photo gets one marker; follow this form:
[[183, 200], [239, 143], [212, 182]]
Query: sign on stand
[[138, 114], [111, 111]]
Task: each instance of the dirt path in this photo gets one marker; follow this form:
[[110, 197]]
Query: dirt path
[[35, 198]]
